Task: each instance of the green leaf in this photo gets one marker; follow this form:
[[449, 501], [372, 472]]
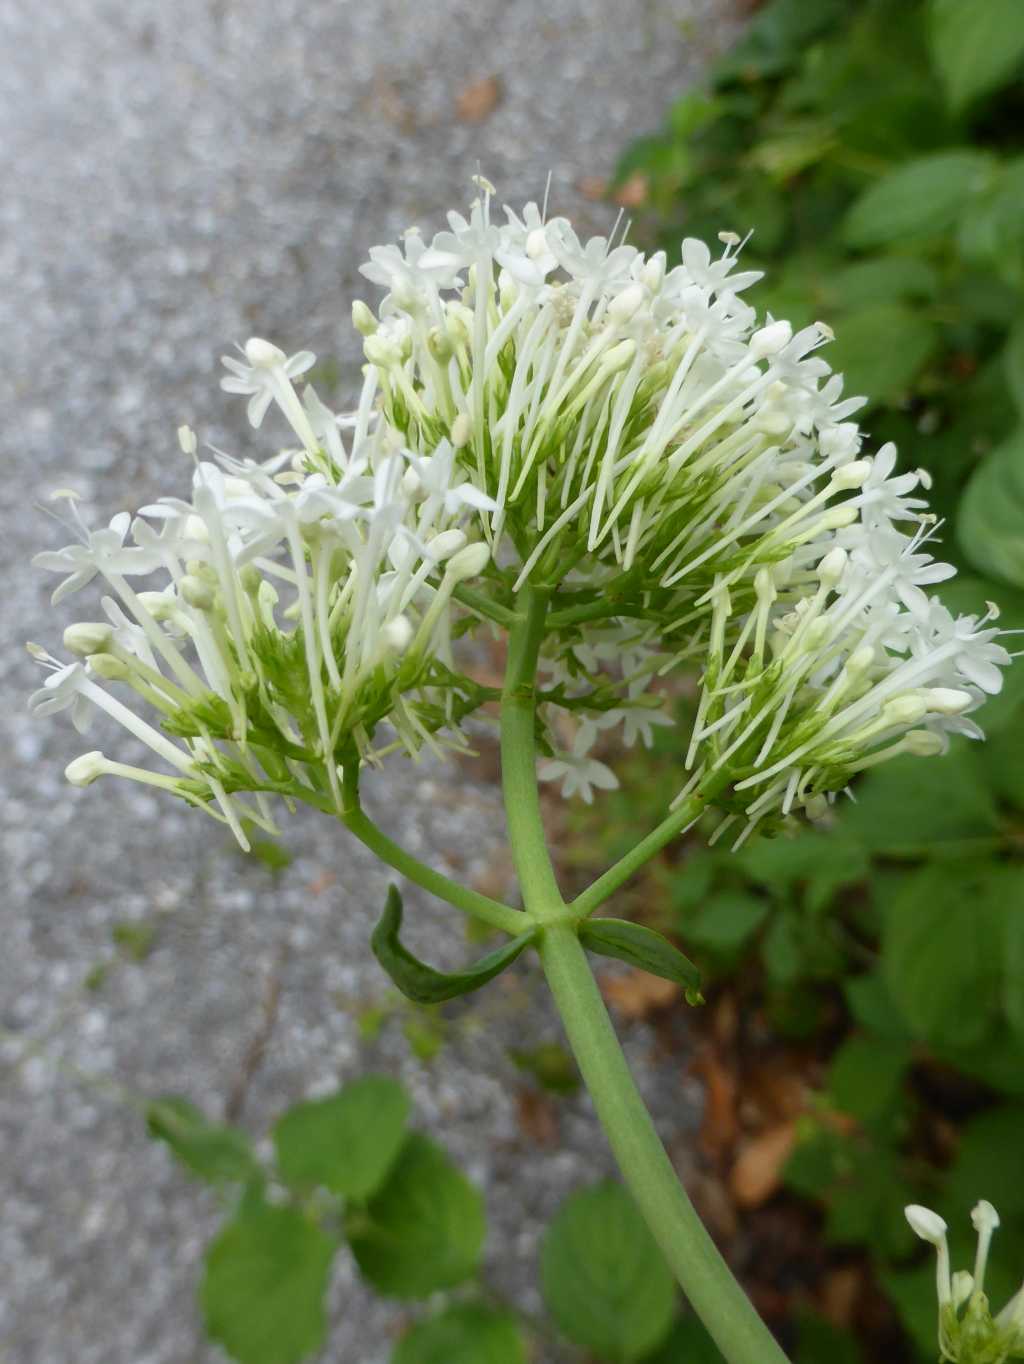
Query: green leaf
[[924, 197], [423, 1230], [726, 921], [865, 1075], [641, 947], [914, 806], [1013, 357], [976, 45], [777, 38], [689, 1343], [422, 983], [603, 1277], [990, 526], [879, 349], [210, 1150], [942, 951], [467, 1334], [988, 1163], [1013, 949], [881, 280], [819, 1341], [346, 1142], [262, 1292]]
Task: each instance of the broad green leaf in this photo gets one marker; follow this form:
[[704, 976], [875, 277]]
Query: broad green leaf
[[603, 1277], [820, 1341], [865, 1075], [1013, 948], [976, 45], [262, 1292], [422, 983], [726, 921], [989, 231], [881, 281], [988, 1163], [913, 1293], [783, 950], [346, 1142], [466, 1334], [914, 806], [822, 862], [920, 198], [777, 38], [871, 1006], [210, 1150], [689, 1343], [423, 1230], [990, 526], [1013, 357], [641, 947], [942, 950], [879, 349]]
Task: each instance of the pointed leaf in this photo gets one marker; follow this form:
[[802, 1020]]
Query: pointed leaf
[[420, 982], [977, 45], [210, 1150], [263, 1290], [642, 947], [347, 1142]]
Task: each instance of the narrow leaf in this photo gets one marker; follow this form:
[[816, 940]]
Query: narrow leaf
[[208, 1149], [644, 948], [422, 983]]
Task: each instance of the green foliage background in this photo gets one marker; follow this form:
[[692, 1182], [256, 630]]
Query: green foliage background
[[877, 152]]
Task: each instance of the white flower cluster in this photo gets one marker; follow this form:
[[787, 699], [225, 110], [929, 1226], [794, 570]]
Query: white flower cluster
[[968, 1333], [689, 482], [305, 600], [683, 481]]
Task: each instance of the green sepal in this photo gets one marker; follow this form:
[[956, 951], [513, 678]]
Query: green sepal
[[642, 947], [421, 983]]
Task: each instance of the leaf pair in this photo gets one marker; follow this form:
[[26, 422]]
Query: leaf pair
[[618, 938]]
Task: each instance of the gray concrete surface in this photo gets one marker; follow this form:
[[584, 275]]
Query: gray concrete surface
[[176, 177]]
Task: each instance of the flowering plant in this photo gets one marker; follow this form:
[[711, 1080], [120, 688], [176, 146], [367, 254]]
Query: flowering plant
[[624, 469]]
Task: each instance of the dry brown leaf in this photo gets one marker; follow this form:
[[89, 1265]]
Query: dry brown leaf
[[632, 193], [322, 883], [720, 1127], [593, 187], [479, 100], [840, 1290], [636, 994], [757, 1172], [538, 1117]]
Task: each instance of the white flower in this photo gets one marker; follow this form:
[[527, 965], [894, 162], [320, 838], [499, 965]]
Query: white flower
[[577, 771], [267, 376], [100, 551]]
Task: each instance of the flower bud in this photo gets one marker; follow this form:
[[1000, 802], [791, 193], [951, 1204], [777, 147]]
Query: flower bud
[[110, 668], [652, 276], [88, 637], [619, 356], [468, 562], [396, 635], [852, 475], [925, 1223], [159, 605], [363, 319], [905, 710], [922, 743], [625, 304], [193, 590], [187, 440], [262, 354], [382, 351], [537, 243], [445, 544], [860, 660], [462, 429], [440, 345], [837, 517], [83, 771], [770, 340], [947, 700], [832, 567]]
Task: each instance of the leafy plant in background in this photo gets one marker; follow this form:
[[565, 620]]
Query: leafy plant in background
[[877, 153], [624, 469]]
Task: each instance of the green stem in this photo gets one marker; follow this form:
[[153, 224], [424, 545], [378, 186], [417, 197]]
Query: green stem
[[706, 1279], [484, 606], [481, 907], [537, 882], [609, 882]]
